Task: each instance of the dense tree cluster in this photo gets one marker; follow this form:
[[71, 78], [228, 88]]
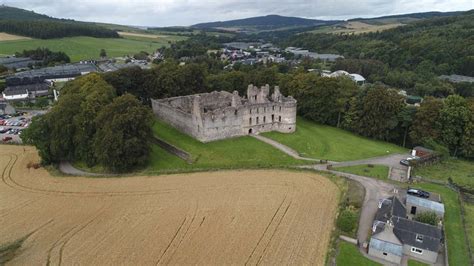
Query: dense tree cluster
[[90, 123], [48, 29], [408, 57], [46, 56]]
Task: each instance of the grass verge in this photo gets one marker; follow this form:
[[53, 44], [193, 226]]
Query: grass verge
[[455, 237], [330, 143], [349, 255], [460, 171], [242, 152], [370, 170]]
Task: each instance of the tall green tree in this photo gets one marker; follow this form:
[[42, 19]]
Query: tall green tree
[[467, 143], [425, 121], [378, 113], [124, 131], [452, 121]]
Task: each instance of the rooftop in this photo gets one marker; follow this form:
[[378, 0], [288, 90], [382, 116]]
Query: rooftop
[[426, 203], [408, 230]]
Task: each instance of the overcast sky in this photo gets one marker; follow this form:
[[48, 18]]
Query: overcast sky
[[188, 12]]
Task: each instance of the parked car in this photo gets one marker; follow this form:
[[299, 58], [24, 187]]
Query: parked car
[[6, 138], [418, 192], [3, 130], [405, 162]]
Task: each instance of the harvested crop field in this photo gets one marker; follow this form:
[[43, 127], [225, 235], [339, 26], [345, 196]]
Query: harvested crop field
[[231, 217], [10, 37]]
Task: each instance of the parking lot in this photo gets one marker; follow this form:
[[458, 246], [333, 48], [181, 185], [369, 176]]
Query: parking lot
[[11, 126]]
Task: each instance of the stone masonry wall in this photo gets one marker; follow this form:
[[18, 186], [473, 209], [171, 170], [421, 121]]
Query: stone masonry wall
[[221, 115]]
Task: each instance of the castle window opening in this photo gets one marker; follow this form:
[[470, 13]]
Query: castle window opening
[[264, 118], [235, 112], [250, 121], [280, 108], [279, 118], [257, 120], [273, 118]]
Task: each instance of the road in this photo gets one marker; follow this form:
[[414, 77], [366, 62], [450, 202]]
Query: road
[[375, 190]]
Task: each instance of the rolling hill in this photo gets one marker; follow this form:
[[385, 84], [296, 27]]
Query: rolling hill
[[270, 22], [28, 23]]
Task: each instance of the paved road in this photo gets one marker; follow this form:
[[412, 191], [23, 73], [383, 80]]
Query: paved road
[[66, 168], [398, 172], [375, 190]]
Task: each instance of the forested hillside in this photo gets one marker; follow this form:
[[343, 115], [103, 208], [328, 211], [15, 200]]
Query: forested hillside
[[429, 47], [27, 23]]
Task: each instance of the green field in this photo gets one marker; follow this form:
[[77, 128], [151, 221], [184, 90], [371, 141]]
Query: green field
[[456, 239], [243, 152], [349, 255], [469, 208], [330, 143], [416, 263], [461, 171], [375, 171], [83, 48]]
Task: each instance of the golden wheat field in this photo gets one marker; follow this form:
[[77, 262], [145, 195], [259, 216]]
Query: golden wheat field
[[231, 217]]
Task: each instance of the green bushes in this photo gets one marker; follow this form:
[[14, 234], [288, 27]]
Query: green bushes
[[347, 220], [427, 218]]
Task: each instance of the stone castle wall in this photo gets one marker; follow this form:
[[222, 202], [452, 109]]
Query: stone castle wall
[[220, 115]]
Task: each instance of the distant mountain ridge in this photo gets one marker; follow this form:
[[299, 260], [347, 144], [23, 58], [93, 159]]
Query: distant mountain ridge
[[277, 21], [269, 21]]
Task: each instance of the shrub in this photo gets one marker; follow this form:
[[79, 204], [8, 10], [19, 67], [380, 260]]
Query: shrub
[[427, 218], [347, 220]]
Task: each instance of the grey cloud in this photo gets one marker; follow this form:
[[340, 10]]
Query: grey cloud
[[188, 12]]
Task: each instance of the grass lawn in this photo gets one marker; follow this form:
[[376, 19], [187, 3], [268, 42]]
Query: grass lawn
[[416, 263], [350, 255], [375, 171], [243, 152], [461, 171], [456, 239], [325, 142], [469, 208], [79, 48]]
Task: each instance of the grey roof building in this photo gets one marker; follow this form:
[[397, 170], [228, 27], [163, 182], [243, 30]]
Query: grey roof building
[[418, 205], [17, 62], [395, 235], [22, 92], [6, 109], [63, 72], [457, 78]]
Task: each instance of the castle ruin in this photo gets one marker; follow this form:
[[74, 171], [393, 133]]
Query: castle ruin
[[220, 115]]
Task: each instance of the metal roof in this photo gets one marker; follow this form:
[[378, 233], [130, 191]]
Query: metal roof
[[425, 203], [386, 246]]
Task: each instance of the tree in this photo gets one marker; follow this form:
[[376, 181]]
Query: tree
[[103, 53], [467, 143], [123, 134], [38, 134], [452, 121], [405, 118], [377, 113], [425, 121]]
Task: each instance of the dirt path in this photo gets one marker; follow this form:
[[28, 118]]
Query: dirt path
[[67, 168], [231, 217], [283, 148]]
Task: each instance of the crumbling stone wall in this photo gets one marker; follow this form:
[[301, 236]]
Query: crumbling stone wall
[[220, 115]]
